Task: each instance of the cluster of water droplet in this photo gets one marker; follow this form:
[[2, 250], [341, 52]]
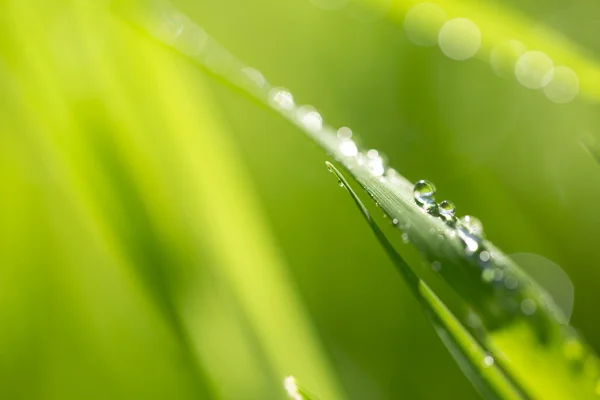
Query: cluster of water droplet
[[469, 230]]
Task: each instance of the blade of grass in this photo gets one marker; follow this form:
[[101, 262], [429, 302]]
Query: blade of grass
[[477, 365], [535, 347], [138, 169]]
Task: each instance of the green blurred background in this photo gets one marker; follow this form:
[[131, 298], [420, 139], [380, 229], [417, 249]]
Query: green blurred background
[[164, 237]]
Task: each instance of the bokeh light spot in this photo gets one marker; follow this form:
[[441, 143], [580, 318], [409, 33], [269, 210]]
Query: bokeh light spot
[[563, 86], [533, 69], [460, 39]]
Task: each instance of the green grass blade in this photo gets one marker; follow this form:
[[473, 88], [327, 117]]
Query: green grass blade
[[514, 318], [479, 367]]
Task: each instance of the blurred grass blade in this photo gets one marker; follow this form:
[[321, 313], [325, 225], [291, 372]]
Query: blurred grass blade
[[476, 363], [513, 317]]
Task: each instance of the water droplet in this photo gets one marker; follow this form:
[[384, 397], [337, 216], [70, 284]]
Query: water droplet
[[424, 192], [344, 133], [447, 209], [422, 24], [373, 154], [341, 183], [470, 241], [405, 238], [392, 175], [436, 266], [488, 361], [460, 39], [528, 307], [484, 256], [563, 85], [375, 163], [395, 221], [511, 282], [348, 148], [310, 118], [281, 99], [534, 69], [472, 225], [291, 387]]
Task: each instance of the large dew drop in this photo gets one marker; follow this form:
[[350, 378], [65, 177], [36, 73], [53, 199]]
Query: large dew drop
[[472, 225], [424, 192], [309, 118], [447, 209], [281, 99]]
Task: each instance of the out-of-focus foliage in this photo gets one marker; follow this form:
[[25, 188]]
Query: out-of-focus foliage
[[162, 237]]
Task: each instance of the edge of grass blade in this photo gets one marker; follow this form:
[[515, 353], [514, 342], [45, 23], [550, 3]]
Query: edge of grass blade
[[489, 380]]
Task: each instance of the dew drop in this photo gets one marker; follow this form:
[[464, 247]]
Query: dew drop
[[424, 193], [405, 238], [436, 266], [281, 99], [344, 133], [375, 163], [447, 208], [528, 307], [395, 221], [470, 241], [310, 118], [341, 183], [472, 225], [484, 256], [392, 175], [348, 148], [373, 154], [488, 361]]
